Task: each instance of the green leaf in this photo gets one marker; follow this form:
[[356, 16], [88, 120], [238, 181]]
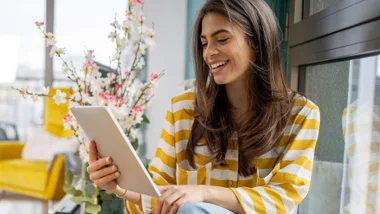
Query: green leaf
[[145, 119], [91, 208], [77, 199], [86, 175], [90, 189], [138, 126], [77, 193], [67, 187], [70, 189], [89, 199], [76, 153], [69, 177], [116, 204], [97, 190], [105, 196], [135, 143]]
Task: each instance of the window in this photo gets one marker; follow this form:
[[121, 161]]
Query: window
[[319, 5], [22, 56], [85, 24], [348, 95], [334, 61]]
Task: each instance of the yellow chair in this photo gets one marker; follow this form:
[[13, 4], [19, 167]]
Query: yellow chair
[[30, 177]]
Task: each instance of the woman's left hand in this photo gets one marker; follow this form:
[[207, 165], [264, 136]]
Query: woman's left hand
[[172, 197]]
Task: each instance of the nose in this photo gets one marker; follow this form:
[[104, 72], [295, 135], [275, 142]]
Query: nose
[[210, 51]]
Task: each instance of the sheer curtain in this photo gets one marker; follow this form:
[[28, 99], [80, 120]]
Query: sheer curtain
[[361, 128]]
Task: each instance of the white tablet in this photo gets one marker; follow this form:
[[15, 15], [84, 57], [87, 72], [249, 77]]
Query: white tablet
[[101, 126]]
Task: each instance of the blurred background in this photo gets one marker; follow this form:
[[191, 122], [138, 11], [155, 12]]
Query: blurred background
[[330, 52]]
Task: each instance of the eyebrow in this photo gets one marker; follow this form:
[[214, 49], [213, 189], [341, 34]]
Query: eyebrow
[[216, 33]]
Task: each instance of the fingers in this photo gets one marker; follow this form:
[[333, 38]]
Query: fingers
[[170, 200], [99, 164], [161, 200], [107, 179], [177, 204], [93, 153], [103, 172]]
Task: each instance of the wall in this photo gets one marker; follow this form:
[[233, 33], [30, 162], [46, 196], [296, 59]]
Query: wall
[[169, 17]]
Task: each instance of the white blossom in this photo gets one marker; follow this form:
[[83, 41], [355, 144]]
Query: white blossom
[[90, 88], [115, 24], [132, 133], [35, 97], [50, 42], [112, 36], [45, 90], [59, 97], [141, 63], [83, 153]]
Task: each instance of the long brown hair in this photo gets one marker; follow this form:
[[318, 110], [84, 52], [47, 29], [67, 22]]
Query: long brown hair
[[269, 103]]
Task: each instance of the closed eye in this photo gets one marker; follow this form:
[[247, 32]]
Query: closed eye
[[223, 40]]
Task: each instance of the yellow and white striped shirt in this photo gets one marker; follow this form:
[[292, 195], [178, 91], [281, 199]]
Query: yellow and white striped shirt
[[361, 129], [282, 177]]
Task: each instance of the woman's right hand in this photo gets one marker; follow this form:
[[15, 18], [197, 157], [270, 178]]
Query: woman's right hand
[[102, 172]]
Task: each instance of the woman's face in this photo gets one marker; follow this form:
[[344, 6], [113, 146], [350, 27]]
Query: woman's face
[[225, 49]]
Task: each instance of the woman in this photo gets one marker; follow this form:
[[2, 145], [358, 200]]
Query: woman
[[240, 141]]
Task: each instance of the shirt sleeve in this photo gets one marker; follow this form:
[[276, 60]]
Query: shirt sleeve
[[290, 184], [162, 167]]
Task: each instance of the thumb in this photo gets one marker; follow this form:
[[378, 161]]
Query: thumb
[[93, 152]]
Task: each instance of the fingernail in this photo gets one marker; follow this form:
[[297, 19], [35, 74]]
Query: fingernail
[[109, 159], [114, 167], [117, 173]]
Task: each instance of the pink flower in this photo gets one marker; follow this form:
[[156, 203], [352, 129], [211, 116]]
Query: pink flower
[[137, 109], [147, 91], [95, 66], [138, 1], [39, 24], [23, 92], [87, 63], [107, 97], [68, 122], [118, 102], [68, 119], [117, 86], [127, 73], [153, 76], [101, 93]]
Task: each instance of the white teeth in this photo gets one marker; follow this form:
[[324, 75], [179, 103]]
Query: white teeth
[[215, 65]]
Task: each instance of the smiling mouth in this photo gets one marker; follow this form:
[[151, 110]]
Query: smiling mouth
[[216, 67]]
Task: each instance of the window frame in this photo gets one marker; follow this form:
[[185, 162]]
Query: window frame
[[346, 30]]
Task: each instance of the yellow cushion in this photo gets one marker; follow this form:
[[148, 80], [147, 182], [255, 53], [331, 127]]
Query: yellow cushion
[[10, 150], [32, 175], [54, 114]]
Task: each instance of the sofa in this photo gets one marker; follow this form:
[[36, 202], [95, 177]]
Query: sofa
[[35, 168]]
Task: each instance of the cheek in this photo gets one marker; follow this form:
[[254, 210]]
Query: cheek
[[245, 58], [204, 56], [241, 62], [239, 56]]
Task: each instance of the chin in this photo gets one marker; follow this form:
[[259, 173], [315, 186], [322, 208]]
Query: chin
[[220, 81]]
